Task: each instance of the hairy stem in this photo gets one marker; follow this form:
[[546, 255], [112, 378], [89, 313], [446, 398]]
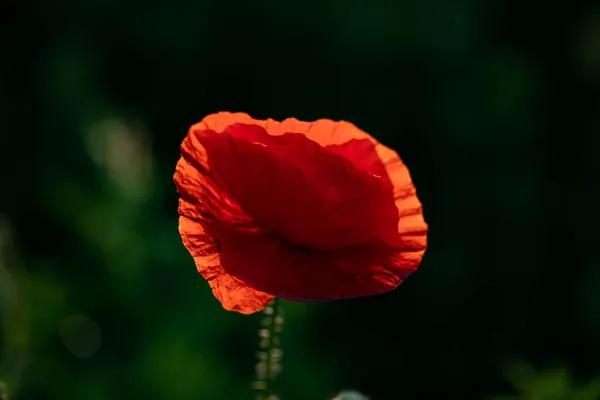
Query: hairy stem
[[270, 354]]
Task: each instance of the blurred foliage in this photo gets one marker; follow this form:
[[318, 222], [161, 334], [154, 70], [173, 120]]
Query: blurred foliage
[[549, 384], [493, 105]]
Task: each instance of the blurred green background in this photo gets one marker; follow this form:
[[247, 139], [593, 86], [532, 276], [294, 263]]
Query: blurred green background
[[492, 104]]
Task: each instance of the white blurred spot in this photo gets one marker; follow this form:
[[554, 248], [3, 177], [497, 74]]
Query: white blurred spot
[[81, 336], [124, 154], [350, 395]]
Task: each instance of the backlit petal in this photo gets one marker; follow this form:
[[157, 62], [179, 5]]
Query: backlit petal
[[295, 188]]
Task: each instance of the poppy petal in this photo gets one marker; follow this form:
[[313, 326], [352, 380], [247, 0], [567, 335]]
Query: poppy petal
[[294, 187], [368, 154], [411, 239], [233, 293], [291, 272], [202, 201]]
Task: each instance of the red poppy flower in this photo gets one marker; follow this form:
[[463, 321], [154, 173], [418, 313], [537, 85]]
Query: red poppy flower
[[300, 210]]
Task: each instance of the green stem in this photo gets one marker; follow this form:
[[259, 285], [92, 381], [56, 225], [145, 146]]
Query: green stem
[[269, 356]]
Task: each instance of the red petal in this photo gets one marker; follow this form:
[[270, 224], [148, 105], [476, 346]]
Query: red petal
[[233, 293], [201, 202], [295, 188], [347, 140], [295, 273]]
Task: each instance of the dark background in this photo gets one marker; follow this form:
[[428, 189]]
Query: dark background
[[492, 104]]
